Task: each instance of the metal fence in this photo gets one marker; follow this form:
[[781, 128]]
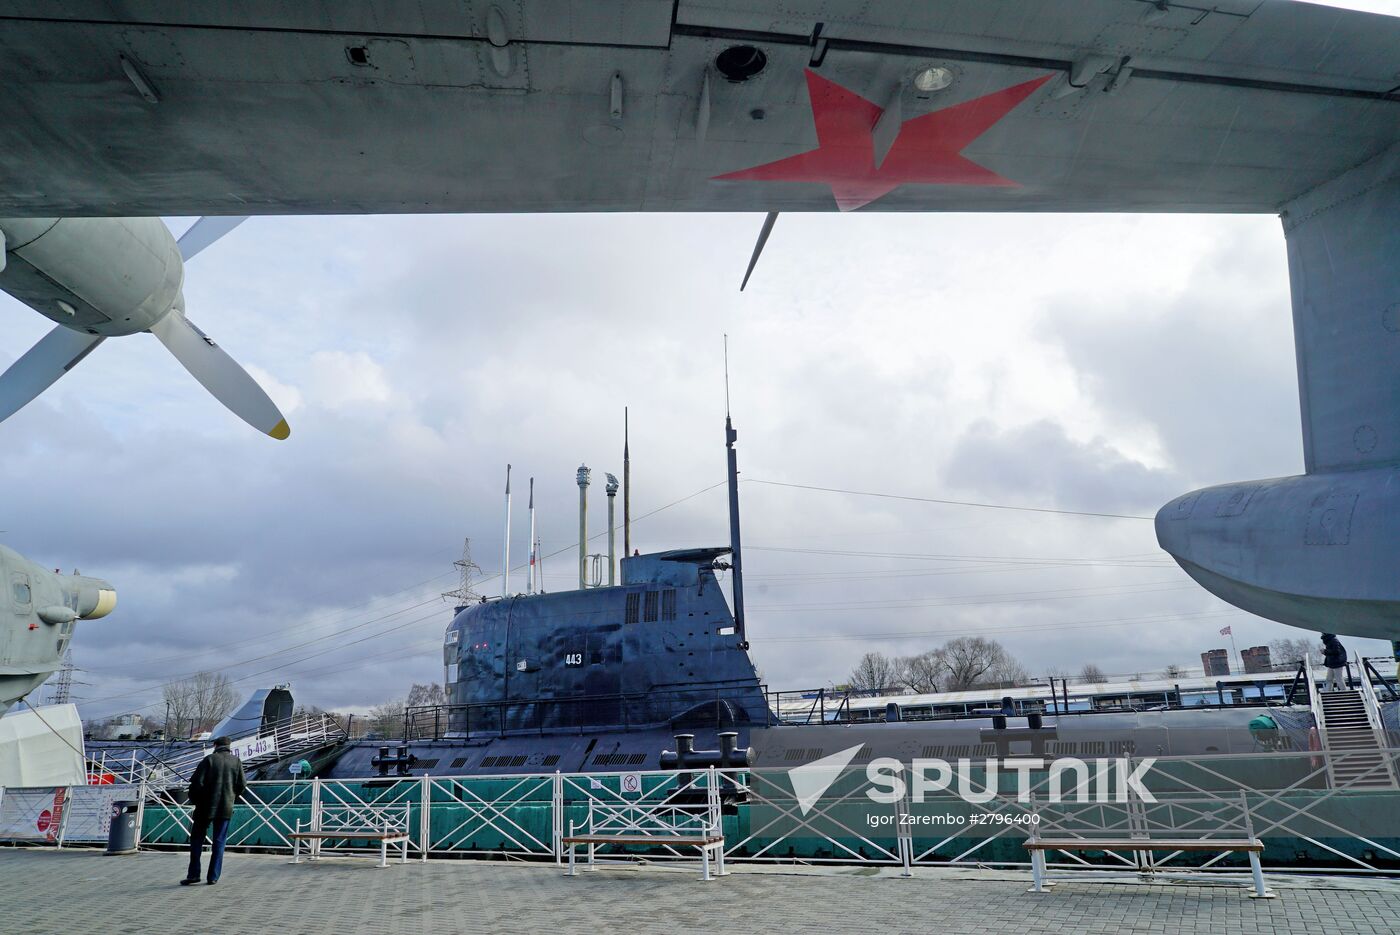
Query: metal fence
[[1304, 818]]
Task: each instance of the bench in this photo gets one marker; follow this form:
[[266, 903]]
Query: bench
[[386, 824], [664, 825], [1212, 825]]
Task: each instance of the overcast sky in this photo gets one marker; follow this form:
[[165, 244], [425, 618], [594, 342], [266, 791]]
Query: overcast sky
[[1103, 364]]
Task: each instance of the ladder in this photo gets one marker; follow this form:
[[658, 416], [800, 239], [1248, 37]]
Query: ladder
[[1349, 726]]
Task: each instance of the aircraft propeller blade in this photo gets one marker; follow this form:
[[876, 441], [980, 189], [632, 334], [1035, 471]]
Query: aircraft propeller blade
[[56, 353], [204, 232], [758, 247], [220, 374]]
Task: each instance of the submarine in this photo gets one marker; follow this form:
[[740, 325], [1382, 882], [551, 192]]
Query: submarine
[[653, 672]]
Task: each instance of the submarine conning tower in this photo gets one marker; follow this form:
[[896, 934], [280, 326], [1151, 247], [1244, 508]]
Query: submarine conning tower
[[659, 650]]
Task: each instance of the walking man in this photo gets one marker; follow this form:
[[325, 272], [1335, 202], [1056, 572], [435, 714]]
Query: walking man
[[217, 781], [1334, 657]]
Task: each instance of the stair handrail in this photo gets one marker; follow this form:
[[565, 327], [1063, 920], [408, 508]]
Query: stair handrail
[[1315, 702], [1368, 668], [1371, 703], [1298, 676], [319, 728]]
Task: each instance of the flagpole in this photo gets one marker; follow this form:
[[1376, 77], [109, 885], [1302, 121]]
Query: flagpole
[[1236, 649]]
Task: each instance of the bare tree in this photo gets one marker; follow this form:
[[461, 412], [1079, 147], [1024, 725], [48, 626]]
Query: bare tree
[[1007, 672], [970, 660], [198, 703], [874, 673], [430, 694], [920, 673], [386, 720], [1290, 652], [1092, 673]]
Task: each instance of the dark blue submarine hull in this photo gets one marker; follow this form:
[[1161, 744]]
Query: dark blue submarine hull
[[603, 679]]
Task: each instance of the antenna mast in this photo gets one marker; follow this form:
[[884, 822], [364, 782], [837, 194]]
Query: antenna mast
[[531, 580], [626, 490], [505, 546], [735, 551]]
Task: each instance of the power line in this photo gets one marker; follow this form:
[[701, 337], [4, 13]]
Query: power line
[[971, 503], [963, 631], [993, 559]]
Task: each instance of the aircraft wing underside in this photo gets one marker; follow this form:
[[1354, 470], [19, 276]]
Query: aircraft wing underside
[[172, 108]]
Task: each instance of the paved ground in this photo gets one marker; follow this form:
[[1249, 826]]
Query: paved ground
[[49, 891]]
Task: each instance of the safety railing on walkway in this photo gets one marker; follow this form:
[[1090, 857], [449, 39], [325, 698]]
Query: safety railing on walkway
[[171, 766]]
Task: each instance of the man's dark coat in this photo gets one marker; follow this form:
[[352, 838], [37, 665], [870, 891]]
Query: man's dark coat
[[217, 781]]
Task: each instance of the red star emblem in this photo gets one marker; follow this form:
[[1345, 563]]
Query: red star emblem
[[926, 150]]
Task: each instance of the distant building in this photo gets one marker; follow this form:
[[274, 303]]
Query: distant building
[[1256, 659], [1216, 662], [126, 727]]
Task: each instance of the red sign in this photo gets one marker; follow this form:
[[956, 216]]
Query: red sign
[[45, 820]]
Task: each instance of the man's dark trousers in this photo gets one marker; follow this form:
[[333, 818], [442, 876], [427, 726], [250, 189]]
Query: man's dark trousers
[[198, 829]]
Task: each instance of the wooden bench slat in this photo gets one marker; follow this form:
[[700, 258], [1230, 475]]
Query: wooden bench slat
[[1141, 844]]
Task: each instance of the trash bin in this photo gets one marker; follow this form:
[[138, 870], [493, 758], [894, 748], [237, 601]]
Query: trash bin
[[121, 836]]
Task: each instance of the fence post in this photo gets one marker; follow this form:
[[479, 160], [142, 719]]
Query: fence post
[[425, 824], [558, 822], [140, 810], [904, 834]]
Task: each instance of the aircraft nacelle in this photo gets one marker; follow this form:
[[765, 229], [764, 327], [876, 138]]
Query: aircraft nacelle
[[1315, 551], [38, 612], [99, 276]]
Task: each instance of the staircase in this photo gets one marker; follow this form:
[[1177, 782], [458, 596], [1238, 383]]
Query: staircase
[[297, 737], [1351, 738]]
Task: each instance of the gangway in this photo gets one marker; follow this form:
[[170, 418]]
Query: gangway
[[1349, 728], [299, 736]]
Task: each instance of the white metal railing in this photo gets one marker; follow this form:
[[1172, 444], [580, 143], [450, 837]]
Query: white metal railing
[[297, 734], [1288, 796], [1315, 701]]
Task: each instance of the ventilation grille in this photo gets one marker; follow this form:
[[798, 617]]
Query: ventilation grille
[[619, 759], [634, 603], [810, 753], [500, 762], [668, 604]]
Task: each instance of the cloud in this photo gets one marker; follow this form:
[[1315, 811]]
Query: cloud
[[1090, 363], [1040, 464]]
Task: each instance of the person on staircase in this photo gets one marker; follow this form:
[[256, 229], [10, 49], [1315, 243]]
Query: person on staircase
[[1334, 657]]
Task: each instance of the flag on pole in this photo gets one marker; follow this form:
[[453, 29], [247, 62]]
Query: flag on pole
[[1226, 631]]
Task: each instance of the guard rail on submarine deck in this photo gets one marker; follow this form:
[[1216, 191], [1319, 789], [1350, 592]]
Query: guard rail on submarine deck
[[721, 708]]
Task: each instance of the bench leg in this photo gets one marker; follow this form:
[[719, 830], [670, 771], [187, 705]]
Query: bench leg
[[403, 852], [1258, 873], [592, 849], [383, 853], [705, 863], [296, 850], [1038, 871], [572, 871], [719, 855]]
